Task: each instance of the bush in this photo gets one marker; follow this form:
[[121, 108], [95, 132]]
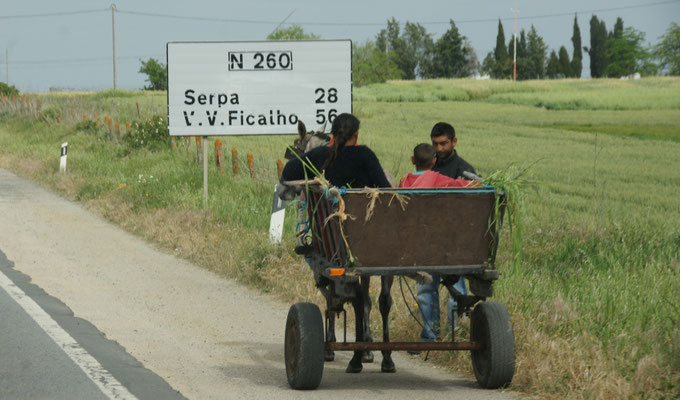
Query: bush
[[7, 90], [51, 112], [86, 126], [149, 133]]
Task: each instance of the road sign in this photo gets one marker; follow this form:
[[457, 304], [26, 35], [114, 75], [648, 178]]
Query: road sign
[[256, 88]]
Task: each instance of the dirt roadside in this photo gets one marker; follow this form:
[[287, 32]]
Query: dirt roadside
[[208, 337]]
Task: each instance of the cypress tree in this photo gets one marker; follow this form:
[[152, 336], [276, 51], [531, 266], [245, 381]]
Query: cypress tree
[[523, 71], [500, 69], [576, 60], [598, 48], [553, 65], [618, 29], [565, 65]]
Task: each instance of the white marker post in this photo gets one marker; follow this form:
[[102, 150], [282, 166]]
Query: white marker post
[[62, 162], [278, 215]]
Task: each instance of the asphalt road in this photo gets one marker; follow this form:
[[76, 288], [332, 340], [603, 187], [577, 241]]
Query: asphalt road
[[44, 351], [157, 321]]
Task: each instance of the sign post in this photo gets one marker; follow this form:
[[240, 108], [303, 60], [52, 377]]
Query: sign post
[[205, 172]]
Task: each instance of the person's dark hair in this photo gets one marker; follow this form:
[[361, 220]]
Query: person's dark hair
[[442, 128], [423, 155], [344, 127]]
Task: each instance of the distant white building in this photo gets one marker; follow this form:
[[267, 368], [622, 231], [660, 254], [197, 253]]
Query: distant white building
[[633, 76]]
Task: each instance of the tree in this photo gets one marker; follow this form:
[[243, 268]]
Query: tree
[[488, 64], [577, 57], [618, 29], [416, 44], [523, 70], [564, 64], [598, 48], [293, 32], [388, 39], [626, 53], [371, 65], [157, 74], [390, 42], [553, 68], [668, 50], [537, 50], [8, 90], [501, 68], [450, 57], [472, 61]]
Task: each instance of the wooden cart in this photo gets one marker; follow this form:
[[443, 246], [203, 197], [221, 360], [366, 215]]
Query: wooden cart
[[450, 232]]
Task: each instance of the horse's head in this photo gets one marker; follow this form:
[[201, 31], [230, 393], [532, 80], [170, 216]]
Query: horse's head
[[307, 141]]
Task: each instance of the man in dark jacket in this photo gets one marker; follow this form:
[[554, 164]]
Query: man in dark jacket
[[448, 162]]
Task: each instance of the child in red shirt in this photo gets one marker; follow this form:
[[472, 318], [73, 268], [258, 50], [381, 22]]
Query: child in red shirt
[[423, 158], [428, 294]]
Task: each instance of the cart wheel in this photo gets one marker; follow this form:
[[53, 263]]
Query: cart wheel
[[494, 365], [304, 348]]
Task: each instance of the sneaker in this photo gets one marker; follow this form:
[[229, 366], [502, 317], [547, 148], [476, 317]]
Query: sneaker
[[413, 352]]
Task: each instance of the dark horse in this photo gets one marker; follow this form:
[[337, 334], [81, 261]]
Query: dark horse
[[362, 302]]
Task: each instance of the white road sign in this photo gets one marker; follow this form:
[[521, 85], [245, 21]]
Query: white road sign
[[256, 88]]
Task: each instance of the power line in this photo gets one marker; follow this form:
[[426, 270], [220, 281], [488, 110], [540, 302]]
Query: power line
[[77, 60], [55, 14], [157, 15], [328, 23], [601, 10]]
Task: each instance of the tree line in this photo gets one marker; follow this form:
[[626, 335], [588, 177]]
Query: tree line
[[410, 52]]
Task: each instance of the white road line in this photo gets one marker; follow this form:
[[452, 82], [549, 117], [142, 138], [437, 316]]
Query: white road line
[[101, 377]]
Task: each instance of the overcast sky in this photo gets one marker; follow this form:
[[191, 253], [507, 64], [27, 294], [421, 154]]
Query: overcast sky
[[73, 50]]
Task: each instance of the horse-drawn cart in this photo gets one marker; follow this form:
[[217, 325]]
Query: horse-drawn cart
[[357, 233]]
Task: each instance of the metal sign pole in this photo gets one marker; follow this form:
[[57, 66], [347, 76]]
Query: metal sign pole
[[205, 172]]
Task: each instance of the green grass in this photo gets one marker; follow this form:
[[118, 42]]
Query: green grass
[[600, 274], [656, 132], [597, 94]]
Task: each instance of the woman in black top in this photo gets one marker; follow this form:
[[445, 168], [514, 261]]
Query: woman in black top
[[343, 163]]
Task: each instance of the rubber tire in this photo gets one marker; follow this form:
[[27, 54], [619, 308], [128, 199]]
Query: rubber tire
[[494, 365], [304, 346]]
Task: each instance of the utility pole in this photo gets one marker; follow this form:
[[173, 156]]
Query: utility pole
[[514, 48], [113, 29], [7, 63]]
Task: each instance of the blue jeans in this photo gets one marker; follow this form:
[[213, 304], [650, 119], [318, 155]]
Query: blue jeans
[[428, 302]]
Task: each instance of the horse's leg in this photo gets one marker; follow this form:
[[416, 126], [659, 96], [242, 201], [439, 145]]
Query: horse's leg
[[385, 302], [329, 355], [355, 364], [367, 304]]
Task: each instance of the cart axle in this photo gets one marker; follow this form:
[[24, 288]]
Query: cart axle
[[424, 346]]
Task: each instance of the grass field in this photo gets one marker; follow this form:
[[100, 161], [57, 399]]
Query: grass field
[[594, 301]]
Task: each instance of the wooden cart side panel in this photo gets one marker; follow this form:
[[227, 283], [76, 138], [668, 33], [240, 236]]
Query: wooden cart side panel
[[327, 240], [439, 229]]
